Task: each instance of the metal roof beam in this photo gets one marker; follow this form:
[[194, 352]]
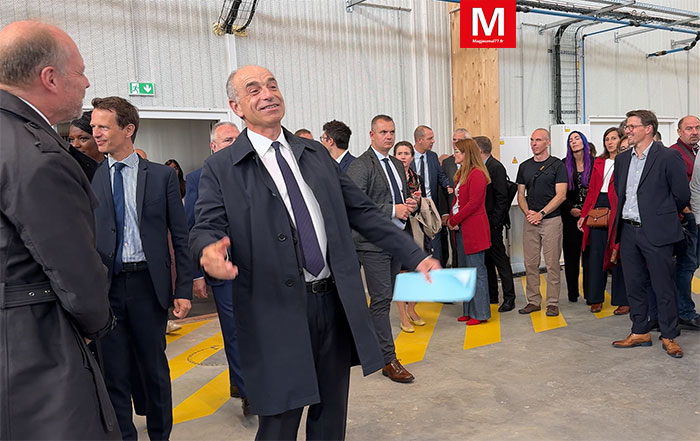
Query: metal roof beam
[[595, 13], [619, 37]]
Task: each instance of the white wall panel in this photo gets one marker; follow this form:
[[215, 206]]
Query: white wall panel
[[619, 76], [351, 66]]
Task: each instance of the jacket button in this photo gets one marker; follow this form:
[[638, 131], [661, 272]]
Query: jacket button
[[113, 229], [281, 237], [289, 283]]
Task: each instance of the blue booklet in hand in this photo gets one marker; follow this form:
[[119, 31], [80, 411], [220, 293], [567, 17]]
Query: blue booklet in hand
[[448, 285]]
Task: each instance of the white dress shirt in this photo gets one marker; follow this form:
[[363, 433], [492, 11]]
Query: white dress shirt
[[398, 222], [263, 147], [133, 248]]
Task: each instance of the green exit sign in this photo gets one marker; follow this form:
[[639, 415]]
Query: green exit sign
[[146, 89]]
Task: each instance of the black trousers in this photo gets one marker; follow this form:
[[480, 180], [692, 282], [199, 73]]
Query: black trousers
[[331, 343], [496, 258], [598, 277], [572, 239], [140, 333], [644, 265]]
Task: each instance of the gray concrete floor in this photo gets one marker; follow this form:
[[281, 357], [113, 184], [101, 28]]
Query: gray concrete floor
[[563, 384]]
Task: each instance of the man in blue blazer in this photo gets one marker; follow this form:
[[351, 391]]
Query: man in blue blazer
[[139, 203], [223, 134], [275, 215], [652, 189], [336, 139], [428, 167]]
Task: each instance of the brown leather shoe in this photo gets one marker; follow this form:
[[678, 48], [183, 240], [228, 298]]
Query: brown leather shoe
[[633, 340], [672, 348], [529, 308], [396, 372], [596, 307], [622, 310], [552, 311]]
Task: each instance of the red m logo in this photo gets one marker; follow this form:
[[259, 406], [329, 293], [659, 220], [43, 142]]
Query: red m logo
[[487, 23]]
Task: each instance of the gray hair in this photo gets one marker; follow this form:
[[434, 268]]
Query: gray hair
[[230, 90], [23, 58], [484, 144], [212, 137], [464, 131]]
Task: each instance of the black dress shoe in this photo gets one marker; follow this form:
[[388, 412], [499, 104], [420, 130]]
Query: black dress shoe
[[508, 305], [693, 325], [245, 407], [235, 393], [654, 325]]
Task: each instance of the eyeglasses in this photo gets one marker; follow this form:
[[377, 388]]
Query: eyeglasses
[[633, 126], [323, 138]]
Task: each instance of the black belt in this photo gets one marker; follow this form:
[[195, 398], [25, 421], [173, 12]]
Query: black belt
[[129, 267], [319, 286], [29, 294], [631, 222]]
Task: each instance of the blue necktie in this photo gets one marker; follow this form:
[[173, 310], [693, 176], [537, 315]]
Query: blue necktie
[[398, 197], [311, 251], [118, 197], [422, 176]]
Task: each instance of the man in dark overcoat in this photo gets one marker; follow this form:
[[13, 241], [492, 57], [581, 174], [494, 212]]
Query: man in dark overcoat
[[53, 286], [275, 214]]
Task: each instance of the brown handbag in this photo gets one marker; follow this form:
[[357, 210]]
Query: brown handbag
[[598, 217]]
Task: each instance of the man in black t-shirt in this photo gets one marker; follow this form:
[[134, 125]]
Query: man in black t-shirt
[[542, 183]]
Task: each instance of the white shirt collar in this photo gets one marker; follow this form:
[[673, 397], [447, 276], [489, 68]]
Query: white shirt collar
[[262, 144], [379, 155], [36, 110], [342, 155], [130, 161]]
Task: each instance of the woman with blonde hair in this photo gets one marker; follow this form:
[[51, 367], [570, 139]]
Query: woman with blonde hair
[[468, 218]]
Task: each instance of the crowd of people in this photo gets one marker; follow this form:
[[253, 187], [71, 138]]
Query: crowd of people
[[102, 242]]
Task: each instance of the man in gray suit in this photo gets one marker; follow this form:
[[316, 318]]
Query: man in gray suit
[[383, 179], [53, 294]]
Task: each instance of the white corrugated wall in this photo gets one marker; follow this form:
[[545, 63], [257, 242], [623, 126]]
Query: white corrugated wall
[[619, 77], [332, 64]]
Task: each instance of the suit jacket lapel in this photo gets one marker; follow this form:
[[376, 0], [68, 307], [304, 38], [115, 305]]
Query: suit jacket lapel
[[141, 175], [651, 158], [379, 169], [102, 176]]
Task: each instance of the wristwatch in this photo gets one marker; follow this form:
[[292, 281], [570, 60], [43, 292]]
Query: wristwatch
[[543, 213]]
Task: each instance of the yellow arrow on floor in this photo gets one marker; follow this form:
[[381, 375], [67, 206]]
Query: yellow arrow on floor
[[540, 321], [411, 347], [205, 401], [484, 333], [182, 363]]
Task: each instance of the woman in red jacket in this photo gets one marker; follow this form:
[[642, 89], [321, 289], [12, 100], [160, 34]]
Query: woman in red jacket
[[598, 243], [469, 213]]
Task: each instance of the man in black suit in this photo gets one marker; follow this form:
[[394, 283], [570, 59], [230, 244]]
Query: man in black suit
[[449, 252], [223, 134], [139, 203], [652, 189], [426, 164], [497, 207], [382, 178], [275, 215], [336, 138]]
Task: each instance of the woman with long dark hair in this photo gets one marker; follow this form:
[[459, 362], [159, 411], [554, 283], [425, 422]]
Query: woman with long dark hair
[[598, 241], [469, 212], [579, 165], [180, 175]]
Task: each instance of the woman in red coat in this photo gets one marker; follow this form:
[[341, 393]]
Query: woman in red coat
[[468, 216], [598, 243]]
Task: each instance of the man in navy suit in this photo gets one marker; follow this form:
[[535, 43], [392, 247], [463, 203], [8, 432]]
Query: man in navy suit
[[223, 134], [139, 202], [428, 167], [336, 139], [275, 216], [652, 189]]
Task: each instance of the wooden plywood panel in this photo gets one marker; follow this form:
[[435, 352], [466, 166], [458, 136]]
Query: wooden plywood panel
[[475, 92]]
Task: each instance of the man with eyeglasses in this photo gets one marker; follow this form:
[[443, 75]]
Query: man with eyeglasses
[[653, 189], [336, 139]]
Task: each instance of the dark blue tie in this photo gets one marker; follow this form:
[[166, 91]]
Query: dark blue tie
[[422, 176], [398, 197], [118, 197], [311, 251]]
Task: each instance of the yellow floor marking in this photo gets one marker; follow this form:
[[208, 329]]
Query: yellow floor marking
[[608, 308], [186, 329], [182, 363], [484, 333], [540, 321], [696, 285], [207, 400], [411, 347]]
